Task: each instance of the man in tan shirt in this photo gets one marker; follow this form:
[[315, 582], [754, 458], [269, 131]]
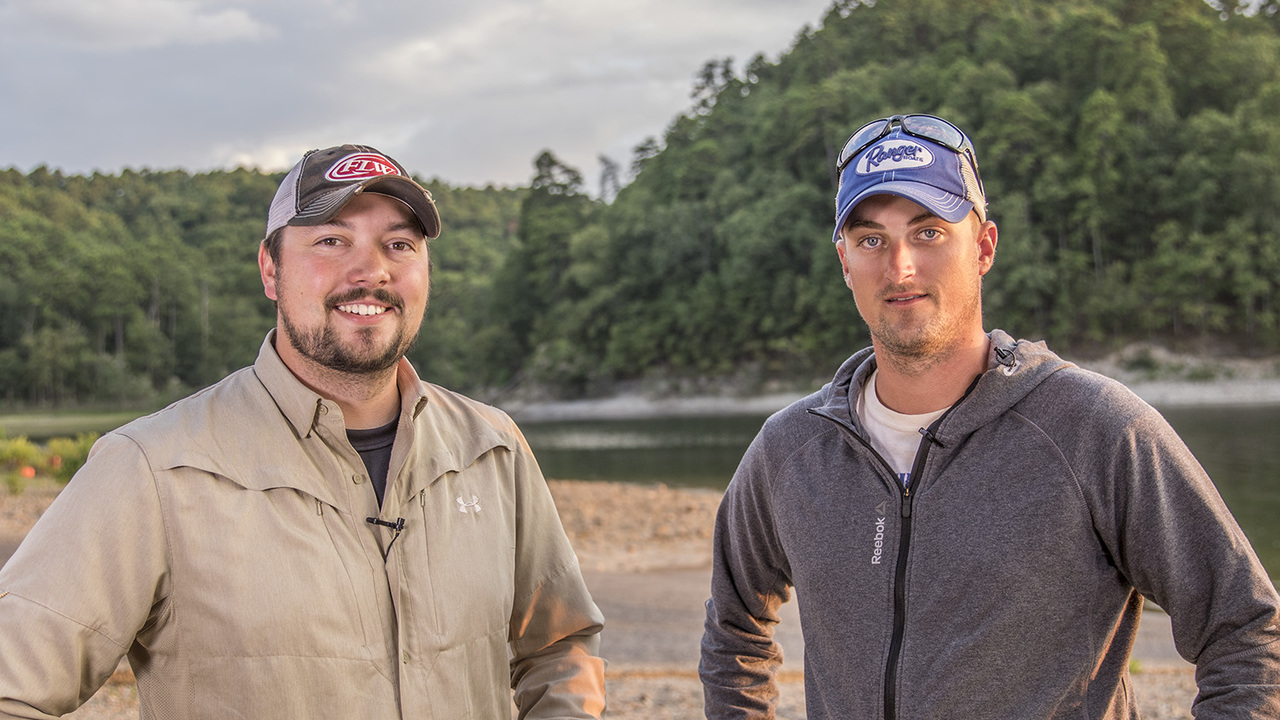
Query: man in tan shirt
[[320, 535]]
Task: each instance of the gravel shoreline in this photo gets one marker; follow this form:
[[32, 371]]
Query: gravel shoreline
[[1236, 391], [625, 528], [675, 694], [620, 527], [1163, 378], [615, 527]]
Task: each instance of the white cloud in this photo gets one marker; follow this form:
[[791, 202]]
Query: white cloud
[[490, 90], [468, 91], [132, 24]]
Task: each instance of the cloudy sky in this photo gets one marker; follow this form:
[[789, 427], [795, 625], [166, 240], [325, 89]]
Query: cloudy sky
[[466, 90]]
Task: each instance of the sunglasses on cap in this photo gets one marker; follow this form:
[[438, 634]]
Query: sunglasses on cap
[[927, 127]]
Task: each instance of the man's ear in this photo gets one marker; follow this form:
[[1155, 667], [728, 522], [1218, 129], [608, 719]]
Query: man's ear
[[267, 268], [988, 236], [844, 263]]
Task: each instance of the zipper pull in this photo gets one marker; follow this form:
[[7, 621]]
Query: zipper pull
[[928, 435], [906, 503]]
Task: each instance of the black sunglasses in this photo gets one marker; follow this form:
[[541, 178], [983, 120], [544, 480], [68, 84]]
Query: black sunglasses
[[927, 127]]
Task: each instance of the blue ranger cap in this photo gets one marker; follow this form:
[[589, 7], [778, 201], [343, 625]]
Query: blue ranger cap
[[937, 177]]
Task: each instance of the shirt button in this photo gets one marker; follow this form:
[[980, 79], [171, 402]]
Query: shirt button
[[406, 657], [357, 478], [324, 409]]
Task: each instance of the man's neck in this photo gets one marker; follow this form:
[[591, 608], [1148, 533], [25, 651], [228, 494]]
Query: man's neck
[[913, 386], [365, 403], [367, 400]]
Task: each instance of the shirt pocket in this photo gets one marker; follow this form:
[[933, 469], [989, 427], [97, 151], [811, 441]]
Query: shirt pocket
[[466, 561], [263, 572]]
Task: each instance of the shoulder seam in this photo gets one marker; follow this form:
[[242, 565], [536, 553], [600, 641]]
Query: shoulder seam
[[70, 619]]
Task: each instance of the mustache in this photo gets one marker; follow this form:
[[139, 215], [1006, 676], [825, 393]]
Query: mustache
[[900, 290], [382, 295]]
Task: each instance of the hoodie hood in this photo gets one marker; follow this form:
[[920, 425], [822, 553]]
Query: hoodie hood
[[1014, 369]]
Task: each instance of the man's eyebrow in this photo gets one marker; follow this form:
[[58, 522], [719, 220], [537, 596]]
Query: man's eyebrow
[[411, 225], [335, 222], [856, 223], [860, 223]]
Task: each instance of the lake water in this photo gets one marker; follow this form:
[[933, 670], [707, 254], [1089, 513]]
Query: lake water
[[1240, 447]]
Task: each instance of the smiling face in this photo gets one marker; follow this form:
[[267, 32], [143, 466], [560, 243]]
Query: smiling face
[[917, 279], [350, 294]]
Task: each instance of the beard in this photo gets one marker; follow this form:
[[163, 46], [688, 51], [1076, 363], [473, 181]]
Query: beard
[[933, 338], [322, 345]]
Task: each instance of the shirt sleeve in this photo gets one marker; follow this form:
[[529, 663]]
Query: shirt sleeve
[[81, 585], [1178, 544], [556, 670], [749, 584]]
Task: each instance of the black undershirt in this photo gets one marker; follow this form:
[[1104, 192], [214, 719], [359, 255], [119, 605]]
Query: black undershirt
[[374, 446]]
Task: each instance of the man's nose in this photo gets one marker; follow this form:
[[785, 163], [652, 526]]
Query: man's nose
[[369, 266], [901, 262]]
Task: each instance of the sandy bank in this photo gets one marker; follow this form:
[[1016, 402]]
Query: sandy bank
[[617, 528], [1160, 393], [614, 527]]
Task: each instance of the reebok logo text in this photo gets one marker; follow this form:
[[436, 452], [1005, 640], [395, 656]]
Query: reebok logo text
[[877, 541]]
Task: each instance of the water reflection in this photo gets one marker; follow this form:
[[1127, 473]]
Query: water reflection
[[690, 452], [1238, 446]]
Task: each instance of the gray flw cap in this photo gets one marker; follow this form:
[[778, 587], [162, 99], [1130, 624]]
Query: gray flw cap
[[325, 180]]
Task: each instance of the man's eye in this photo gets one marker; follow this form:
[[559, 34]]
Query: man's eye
[[871, 242]]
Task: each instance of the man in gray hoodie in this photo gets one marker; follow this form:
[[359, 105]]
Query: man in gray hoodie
[[969, 522]]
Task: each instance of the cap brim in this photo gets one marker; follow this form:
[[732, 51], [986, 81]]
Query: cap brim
[[324, 208], [948, 206]]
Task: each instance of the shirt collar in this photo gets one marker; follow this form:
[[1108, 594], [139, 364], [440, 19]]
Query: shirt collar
[[303, 407]]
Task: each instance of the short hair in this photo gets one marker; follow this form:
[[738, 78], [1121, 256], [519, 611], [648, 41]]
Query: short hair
[[272, 244]]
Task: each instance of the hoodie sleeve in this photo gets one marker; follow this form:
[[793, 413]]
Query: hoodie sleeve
[[749, 583], [81, 585], [1173, 537]]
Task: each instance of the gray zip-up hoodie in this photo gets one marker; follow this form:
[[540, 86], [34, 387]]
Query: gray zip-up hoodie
[[1007, 582]]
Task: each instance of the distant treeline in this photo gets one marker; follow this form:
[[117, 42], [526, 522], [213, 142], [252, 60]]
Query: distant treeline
[[1130, 150], [127, 289]]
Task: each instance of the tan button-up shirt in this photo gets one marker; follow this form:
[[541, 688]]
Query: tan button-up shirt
[[223, 544]]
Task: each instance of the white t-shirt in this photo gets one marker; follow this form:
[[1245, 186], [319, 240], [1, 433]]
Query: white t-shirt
[[894, 435]]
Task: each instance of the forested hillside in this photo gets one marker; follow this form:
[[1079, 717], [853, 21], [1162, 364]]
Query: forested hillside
[[128, 289], [1130, 151]]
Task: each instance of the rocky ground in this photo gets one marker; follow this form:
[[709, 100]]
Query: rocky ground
[[615, 528], [619, 527]]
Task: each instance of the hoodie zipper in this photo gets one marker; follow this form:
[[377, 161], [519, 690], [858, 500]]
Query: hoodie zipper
[[900, 576], [904, 546], [904, 542]]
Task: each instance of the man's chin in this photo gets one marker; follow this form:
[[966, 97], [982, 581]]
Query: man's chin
[[366, 351], [908, 342], [366, 359], [354, 358]]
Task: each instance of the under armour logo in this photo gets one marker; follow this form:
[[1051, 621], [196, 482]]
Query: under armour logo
[[464, 506]]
